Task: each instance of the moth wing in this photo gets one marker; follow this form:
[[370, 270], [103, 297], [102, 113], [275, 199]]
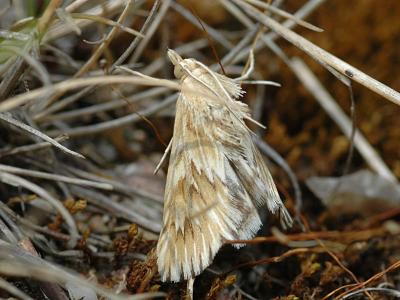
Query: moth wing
[[246, 160], [205, 204], [268, 194]]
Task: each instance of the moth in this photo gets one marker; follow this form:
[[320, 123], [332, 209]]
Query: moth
[[216, 177]]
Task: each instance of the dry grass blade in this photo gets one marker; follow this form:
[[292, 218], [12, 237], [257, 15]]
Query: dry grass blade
[[143, 31], [322, 56], [13, 71], [59, 105], [390, 292], [311, 82], [5, 231], [106, 21], [31, 61], [218, 37], [59, 29], [48, 15], [6, 286], [66, 17], [117, 186], [145, 95], [104, 45], [361, 285], [16, 262], [71, 84], [152, 27], [118, 209], [30, 148], [55, 177], [75, 5], [7, 117], [116, 123], [284, 14], [17, 181]]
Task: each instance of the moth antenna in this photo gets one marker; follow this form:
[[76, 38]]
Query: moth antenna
[[210, 41], [153, 127]]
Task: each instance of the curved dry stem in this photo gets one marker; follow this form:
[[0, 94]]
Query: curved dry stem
[[322, 56], [13, 290], [82, 82], [370, 155], [285, 14], [102, 107], [59, 29], [19, 181], [99, 51], [129, 119], [16, 262], [143, 30], [48, 15], [7, 117], [105, 21], [151, 30], [56, 177]]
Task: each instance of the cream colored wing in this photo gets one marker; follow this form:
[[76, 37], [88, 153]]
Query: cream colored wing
[[216, 176], [205, 204]]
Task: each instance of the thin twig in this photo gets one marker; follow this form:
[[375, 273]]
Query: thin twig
[[322, 56], [211, 31], [369, 154]]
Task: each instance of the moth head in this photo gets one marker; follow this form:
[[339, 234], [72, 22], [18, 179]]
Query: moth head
[[180, 64]]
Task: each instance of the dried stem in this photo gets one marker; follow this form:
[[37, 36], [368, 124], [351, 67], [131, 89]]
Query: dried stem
[[369, 154], [322, 56]]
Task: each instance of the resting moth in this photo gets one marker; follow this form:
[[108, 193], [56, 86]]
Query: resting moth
[[216, 176]]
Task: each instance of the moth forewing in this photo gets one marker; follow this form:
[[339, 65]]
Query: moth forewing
[[216, 176]]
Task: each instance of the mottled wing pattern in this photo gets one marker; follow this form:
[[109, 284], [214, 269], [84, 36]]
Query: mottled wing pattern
[[216, 177], [204, 204]]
